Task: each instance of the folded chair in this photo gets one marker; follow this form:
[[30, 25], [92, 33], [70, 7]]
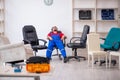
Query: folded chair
[[74, 44], [30, 37]]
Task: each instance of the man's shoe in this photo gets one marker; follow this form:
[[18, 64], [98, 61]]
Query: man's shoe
[[49, 60], [65, 59]]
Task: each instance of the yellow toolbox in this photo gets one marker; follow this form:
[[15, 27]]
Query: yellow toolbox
[[37, 64]]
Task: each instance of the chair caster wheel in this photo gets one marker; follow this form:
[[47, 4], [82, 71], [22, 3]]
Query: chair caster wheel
[[68, 60], [60, 58], [78, 60]]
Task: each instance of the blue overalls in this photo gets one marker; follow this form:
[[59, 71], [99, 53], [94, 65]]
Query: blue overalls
[[58, 42]]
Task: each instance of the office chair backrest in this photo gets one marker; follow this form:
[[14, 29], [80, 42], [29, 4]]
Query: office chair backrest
[[84, 34], [29, 33], [113, 37]]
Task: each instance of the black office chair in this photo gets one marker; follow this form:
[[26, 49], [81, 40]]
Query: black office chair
[[30, 37], [82, 43]]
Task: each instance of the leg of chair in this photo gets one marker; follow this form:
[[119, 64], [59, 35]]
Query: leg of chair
[[109, 60], [75, 52], [74, 56], [92, 61], [88, 59], [119, 61], [59, 55], [98, 59], [106, 61], [78, 57], [35, 53], [82, 57], [37, 78]]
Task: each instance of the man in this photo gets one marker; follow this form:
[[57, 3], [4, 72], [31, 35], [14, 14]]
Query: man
[[56, 39]]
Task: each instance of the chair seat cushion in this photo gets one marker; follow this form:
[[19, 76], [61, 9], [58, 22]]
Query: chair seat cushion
[[105, 46], [76, 45], [115, 53]]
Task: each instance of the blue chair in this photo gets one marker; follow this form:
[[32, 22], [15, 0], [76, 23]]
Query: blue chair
[[111, 42]]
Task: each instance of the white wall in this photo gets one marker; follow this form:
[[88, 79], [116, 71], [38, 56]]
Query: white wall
[[35, 12]]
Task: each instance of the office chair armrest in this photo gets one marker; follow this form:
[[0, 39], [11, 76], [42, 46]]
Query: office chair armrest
[[43, 41], [74, 39], [26, 41], [103, 38]]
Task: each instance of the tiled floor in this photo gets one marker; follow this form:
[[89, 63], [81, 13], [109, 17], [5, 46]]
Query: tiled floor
[[74, 70]]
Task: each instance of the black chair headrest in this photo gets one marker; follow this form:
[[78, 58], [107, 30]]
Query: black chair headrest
[[29, 28]]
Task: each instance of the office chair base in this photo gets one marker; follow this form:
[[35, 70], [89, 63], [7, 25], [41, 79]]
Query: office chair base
[[76, 57], [35, 53]]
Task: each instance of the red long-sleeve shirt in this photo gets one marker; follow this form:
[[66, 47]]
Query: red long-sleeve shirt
[[52, 33]]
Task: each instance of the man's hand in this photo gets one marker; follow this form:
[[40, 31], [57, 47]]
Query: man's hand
[[50, 38], [63, 37]]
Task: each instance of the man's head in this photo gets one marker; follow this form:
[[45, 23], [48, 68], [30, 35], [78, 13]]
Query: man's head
[[54, 28]]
